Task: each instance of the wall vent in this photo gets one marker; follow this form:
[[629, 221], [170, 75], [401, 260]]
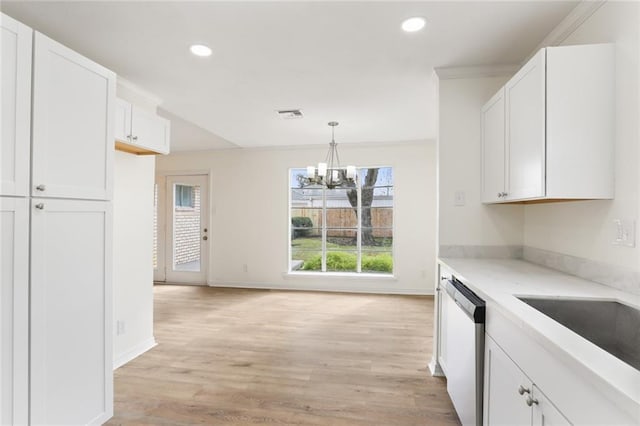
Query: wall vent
[[289, 114]]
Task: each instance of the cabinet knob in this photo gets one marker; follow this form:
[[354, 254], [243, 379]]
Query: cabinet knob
[[531, 401], [499, 194], [135, 138], [522, 390], [40, 206], [41, 187]]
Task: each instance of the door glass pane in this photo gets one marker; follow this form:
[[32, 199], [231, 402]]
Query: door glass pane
[[155, 226], [186, 228]]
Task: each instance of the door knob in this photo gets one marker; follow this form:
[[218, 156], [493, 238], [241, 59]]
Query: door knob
[[205, 238], [522, 390], [40, 206], [41, 187]]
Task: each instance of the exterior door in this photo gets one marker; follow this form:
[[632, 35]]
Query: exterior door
[[187, 229]]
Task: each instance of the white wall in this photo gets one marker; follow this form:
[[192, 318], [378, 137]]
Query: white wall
[[132, 257], [585, 229], [249, 215], [459, 168]]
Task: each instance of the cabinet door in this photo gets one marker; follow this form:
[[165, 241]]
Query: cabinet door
[[73, 108], [445, 303], [493, 149], [122, 119], [71, 309], [150, 131], [14, 311], [544, 412], [16, 107], [503, 404], [525, 97]]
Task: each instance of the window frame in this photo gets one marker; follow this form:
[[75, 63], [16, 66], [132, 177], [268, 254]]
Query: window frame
[[359, 248], [179, 197]]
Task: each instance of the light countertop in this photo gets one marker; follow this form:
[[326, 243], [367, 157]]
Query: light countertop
[[499, 281]]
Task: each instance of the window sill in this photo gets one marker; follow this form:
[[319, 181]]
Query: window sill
[[343, 275]]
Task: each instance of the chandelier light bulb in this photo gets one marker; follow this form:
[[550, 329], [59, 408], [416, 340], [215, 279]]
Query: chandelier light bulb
[[322, 169]]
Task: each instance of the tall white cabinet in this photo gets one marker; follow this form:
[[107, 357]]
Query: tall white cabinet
[[14, 310], [55, 294]]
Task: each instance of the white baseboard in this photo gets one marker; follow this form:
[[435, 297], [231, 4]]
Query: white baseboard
[[134, 352], [435, 368], [318, 286]]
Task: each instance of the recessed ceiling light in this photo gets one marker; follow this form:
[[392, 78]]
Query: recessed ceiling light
[[413, 24], [200, 50]]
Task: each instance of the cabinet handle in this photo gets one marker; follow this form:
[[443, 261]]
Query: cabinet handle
[[135, 138], [522, 390], [129, 137], [40, 206], [41, 187], [499, 194], [504, 194], [531, 401]]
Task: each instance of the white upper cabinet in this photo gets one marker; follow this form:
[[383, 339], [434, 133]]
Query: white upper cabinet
[[493, 149], [122, 128], [140, 132], [14, 311], [73, 122], [558, 128], [525, 128], [16, 41]]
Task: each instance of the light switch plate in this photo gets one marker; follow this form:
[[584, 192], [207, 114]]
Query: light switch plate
[[624, 232]]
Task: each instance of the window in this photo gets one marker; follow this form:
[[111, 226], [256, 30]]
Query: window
[[343, 230], [184, 196]]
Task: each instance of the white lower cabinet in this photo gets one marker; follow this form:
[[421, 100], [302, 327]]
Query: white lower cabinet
[[71, 367], [510, 397], [14, 311]]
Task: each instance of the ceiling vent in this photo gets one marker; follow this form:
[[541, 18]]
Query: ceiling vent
[[289, 114]]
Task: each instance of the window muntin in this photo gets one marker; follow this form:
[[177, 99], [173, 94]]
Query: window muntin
[[343, 230]]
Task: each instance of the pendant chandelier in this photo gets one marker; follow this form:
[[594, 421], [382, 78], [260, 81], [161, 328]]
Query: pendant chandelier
[[330, 173]]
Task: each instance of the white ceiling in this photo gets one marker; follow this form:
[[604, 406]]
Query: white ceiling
[[344, 61]]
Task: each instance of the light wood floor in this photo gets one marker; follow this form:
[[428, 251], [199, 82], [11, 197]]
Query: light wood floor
[[231, 356]]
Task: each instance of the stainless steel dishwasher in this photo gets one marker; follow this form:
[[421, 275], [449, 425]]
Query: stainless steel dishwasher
[[463, 337]]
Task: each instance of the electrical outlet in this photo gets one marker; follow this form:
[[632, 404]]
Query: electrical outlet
[[459, 199], [120, 327], [624, 232]]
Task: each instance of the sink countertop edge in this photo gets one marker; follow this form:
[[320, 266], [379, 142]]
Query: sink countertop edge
[[500, 281]]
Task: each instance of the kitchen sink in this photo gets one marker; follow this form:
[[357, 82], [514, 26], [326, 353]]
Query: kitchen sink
[[612, 326]]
